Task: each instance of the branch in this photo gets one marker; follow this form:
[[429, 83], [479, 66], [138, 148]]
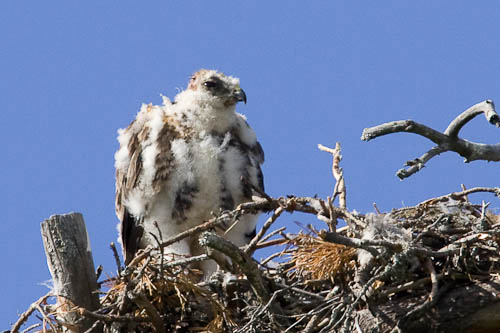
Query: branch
[[239, 257], [15, 328], [250, 248], [109, 319], [337, 172], [142, 302], [459, 195], [195, 230], [446, 141], [487, 107]]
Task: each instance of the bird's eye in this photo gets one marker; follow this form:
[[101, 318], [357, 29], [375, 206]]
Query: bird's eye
[[209, 84]]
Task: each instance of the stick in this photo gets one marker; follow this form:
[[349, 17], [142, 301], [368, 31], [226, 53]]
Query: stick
[[116, 256], [337, 173], [243, 260], [15, 328], [250, 248], [142, 302]]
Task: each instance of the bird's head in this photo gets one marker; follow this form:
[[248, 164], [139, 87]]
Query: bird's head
[[216, 88]]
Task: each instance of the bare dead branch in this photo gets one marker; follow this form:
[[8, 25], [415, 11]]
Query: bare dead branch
[[243, 260], [408, 286], [337, 173], [419, 163], [143, 303], [186, 261], [434, 278], [459, 195], [365, 244], [108, 319], [193, 231], [271, 234], [256, 189], [311, 325], [26, 314], [118, 263], [486, 107], [408, 126], [250, 248], [271, 243], [446, 141]]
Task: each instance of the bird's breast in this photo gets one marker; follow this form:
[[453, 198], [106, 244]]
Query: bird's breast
[[206, 178]]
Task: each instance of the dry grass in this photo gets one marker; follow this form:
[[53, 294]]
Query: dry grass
[[316, 259]]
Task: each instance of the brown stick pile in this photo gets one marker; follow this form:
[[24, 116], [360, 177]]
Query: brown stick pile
[[327, 280]]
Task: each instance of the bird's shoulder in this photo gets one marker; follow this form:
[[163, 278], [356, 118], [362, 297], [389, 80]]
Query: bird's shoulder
[[247, 137], [145, 159]]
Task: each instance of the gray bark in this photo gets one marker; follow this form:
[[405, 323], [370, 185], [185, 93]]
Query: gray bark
[[70, 262]]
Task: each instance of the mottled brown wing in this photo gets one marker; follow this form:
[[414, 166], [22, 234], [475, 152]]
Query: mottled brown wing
[[255, 158], [131, 229], [126, 180], [258, 154], [164, 161]]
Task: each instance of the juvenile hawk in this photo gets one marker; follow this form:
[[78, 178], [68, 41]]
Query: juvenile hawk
[[181, 161]]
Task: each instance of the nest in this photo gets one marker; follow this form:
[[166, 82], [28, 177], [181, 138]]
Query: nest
[[315, 281]]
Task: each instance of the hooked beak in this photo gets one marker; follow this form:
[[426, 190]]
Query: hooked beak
[[240, 95]]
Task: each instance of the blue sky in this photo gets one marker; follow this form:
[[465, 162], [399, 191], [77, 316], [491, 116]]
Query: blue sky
[[74, 72]]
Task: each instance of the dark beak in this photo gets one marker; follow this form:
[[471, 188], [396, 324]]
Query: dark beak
[[240, 95]]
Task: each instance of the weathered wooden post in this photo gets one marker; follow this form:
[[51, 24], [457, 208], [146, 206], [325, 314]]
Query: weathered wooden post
[[69, 258]]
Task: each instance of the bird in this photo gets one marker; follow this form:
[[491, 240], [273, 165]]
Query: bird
[[181, 162]]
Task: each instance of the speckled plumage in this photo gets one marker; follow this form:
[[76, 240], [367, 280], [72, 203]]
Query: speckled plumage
[[181, 161]]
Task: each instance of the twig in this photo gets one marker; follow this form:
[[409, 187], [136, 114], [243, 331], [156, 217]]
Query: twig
[[271, 234], [262, 309], [337, 173], [195, 230], [271, 257], [408, 286], [311, 325], [32, 327], [429, 227], [305, 292], [365, 244], [458, 195], [97, 327], [187, 261], [419, 163], [116, 256], [98, 272], [420, 309], [25, 315], [434, 278], [158, 240], [250, 248], [271, 243], [243, 260], [108, 319], [143, 303], [462, 186], [378, 276], [256, 189], [48, 320]]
